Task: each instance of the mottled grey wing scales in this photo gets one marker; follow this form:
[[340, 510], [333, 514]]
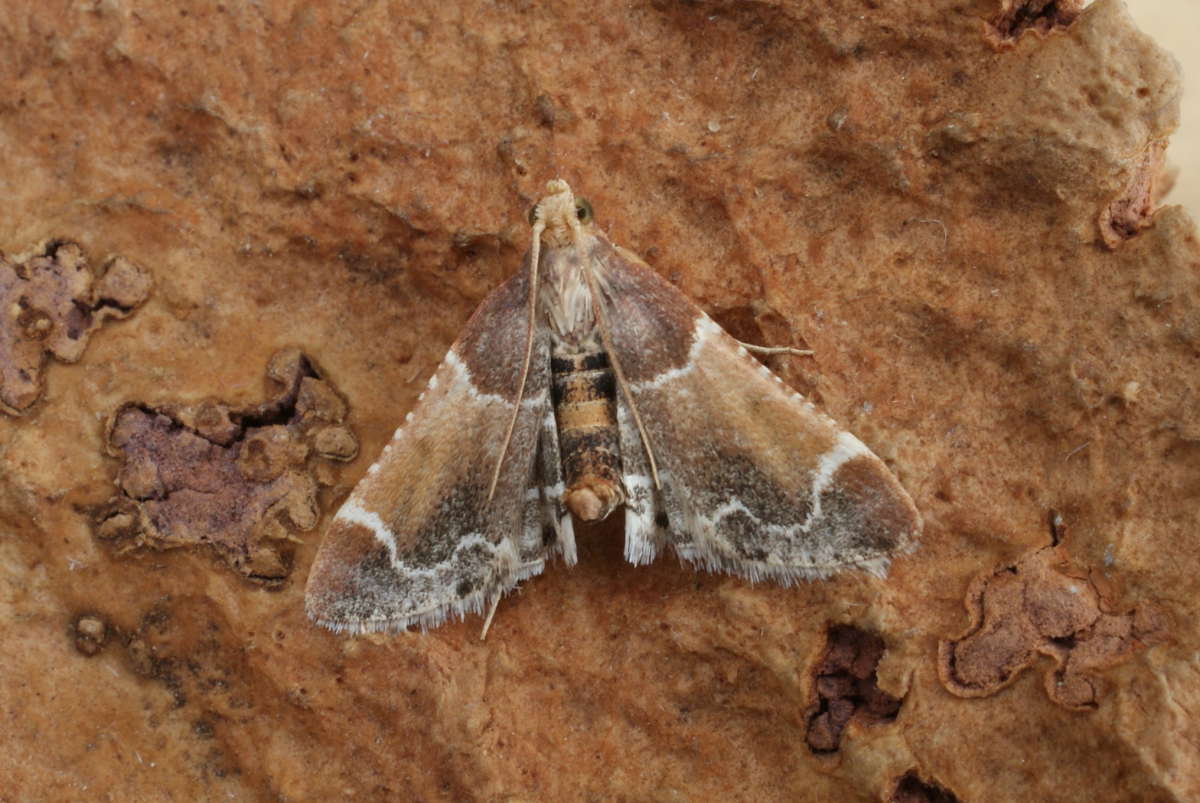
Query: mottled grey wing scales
[[418, 542], [755, 480]]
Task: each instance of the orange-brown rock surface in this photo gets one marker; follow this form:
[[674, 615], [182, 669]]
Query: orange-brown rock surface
[[954, 205]]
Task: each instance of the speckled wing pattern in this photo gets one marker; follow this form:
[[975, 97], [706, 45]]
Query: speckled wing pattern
[[418, 542], [754, 480]]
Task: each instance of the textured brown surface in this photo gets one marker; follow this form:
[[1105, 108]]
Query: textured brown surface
[[887, 184]]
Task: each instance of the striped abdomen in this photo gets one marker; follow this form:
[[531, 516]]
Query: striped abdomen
[[588, 439]]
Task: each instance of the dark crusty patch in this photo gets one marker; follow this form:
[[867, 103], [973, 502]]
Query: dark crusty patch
[[911, 788], [845, 687], [1016, 17]]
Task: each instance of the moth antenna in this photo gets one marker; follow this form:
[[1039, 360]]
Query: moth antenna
[[619, 374], [534, 253], [487, 623], [765, 350]]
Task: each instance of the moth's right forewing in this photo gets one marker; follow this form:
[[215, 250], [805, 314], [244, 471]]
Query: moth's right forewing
[[755, 480], [418, 541]]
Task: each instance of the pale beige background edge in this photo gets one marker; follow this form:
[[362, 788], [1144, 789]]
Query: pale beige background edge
[[1174, 24]]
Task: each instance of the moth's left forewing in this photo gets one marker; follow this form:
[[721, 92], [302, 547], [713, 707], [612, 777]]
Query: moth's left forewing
[[418, 541], [756, 481]]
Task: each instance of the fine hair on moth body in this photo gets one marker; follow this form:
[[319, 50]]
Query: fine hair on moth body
[[582, 364], [583, 384]]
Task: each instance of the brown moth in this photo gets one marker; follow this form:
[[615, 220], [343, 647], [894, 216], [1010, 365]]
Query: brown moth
[[584, 383]]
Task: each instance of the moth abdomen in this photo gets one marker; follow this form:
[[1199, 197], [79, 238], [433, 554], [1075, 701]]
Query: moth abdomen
[[584, 394]]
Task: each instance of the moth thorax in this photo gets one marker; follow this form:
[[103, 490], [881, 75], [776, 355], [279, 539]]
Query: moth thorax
[[589, 441]]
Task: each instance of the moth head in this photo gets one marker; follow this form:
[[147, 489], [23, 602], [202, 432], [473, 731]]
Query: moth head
[[559, 216]]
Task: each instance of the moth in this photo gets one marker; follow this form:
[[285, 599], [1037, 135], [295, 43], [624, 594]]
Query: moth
[[585, 383]]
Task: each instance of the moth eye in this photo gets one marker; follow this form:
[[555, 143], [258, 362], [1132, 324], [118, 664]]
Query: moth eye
[[533, 214], [583, 210]]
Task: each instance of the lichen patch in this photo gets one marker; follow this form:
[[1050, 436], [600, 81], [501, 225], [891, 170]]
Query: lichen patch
[[50, 305], [1043, 604], [242, 482]]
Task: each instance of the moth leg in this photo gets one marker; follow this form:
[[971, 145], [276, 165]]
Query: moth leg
[[554, 512], [546, 525], [534, 519], [765, 350], [487, 623], [646, 515]]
